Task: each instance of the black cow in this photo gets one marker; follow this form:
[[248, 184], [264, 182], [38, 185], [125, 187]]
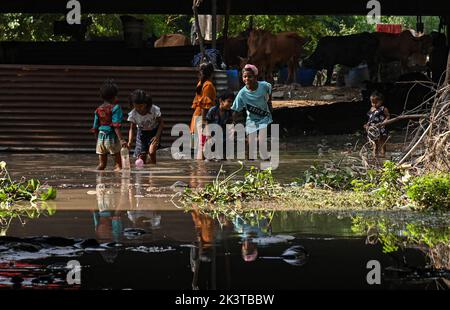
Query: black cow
[[438, 57], [235, 49], [349, 51]]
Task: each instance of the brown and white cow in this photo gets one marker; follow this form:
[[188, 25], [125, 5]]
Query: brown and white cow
[[170, 40], [402, 47], [267, 50]]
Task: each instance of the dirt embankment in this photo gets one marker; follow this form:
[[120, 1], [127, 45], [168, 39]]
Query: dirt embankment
[[341, 110], [294, 96]]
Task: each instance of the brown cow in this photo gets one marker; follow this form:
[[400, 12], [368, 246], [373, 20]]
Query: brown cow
[[267, 50], [402, 46], [170, 40]]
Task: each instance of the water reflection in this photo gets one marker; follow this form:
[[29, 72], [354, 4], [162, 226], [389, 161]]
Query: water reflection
[[220, 238], [129, 202], [197, 173], [121, 242], [399, 236], [203, 251], [138, 208], [23, 212], [255, 230], [108, 221]]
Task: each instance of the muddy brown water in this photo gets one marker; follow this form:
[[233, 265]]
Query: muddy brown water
[[125, 233]]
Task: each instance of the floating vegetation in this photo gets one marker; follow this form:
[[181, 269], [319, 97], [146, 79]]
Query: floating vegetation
[[22, 200], [332, 186], [256, 185], [391, 186], [12, 192]]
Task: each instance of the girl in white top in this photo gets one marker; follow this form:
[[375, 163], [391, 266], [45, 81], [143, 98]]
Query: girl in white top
[[146, 118]]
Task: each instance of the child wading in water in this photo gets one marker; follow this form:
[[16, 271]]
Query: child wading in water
[[205, 96], [256, 98], [107, 122], [221, 115], [146, 117], [377, 114]]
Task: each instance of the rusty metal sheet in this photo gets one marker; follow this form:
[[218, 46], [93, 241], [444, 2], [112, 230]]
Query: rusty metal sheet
[[50, 107]]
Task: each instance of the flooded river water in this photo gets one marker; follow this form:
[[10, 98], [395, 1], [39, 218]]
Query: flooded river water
[[125, 233]]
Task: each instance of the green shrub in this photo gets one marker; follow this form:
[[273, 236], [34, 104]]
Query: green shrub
[[330, 176], [390, 187], [430, 191]]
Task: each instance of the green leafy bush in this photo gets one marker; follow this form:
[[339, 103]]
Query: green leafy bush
[[330, 176], [390, 187], [430, 191]]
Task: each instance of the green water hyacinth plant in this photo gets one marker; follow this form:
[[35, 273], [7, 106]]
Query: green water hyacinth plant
[[256, 185], [12, 192]]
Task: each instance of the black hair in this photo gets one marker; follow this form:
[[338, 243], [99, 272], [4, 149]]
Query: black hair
[[139, 96], [207, 70], [227, 95], [378, 95], [109, 90]]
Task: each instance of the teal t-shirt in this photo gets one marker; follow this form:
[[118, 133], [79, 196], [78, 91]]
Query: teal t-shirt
[[255, 102]]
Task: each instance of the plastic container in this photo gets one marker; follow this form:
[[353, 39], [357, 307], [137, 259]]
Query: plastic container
[[125, 156], [306, 76], [233, 80], [357, 75], [303, 76]]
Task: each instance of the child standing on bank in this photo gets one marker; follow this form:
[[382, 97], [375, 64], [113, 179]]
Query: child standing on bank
[[146, 124], [256, 98], [107, 122], [377, 114]]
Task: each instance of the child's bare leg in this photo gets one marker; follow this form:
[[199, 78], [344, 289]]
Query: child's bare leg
[[382, 146], [200, 148], [152, 152], [143, 156], [118, 162], [378, 148], [102, 161]]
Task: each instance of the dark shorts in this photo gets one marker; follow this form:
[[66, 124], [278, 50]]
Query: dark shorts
[[143, 141]]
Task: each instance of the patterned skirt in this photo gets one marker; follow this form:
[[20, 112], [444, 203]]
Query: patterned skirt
[[143, 141]]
